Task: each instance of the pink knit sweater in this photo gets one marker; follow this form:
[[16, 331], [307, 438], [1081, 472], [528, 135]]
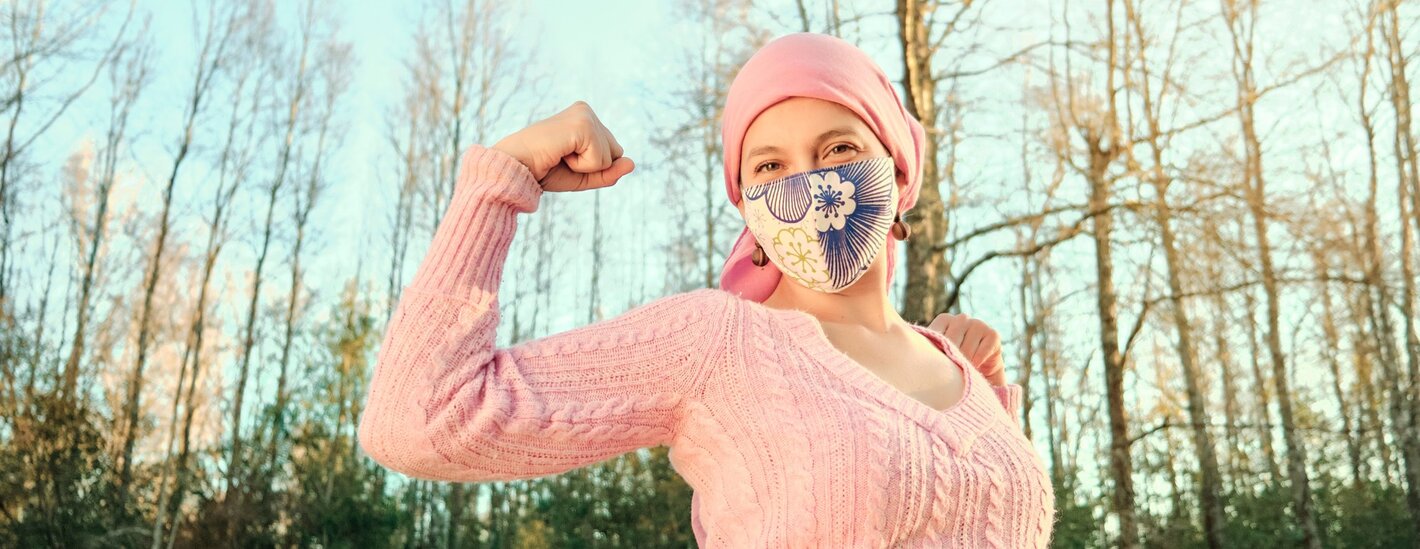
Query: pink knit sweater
[[786, 441]]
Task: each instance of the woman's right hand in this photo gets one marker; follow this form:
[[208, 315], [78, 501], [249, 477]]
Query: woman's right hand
[[975, 339], [569, 151]]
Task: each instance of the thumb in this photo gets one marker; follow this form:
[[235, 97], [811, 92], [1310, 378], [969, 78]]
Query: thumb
[[561, 178], [619, 168]]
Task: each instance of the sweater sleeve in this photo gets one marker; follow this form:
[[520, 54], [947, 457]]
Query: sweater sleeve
[[1010, 397], [446, 404]]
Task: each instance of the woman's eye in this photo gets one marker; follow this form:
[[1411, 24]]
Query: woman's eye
[[845, 145], [761, 166]]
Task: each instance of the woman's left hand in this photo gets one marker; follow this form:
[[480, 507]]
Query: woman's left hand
[[980, 343]]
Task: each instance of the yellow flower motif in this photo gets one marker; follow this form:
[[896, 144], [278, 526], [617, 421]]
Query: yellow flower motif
[[799, 251]]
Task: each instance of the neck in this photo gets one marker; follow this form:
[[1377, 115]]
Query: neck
[[864, 303]]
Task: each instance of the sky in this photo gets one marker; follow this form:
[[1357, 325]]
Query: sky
[[622, 57], [600, 52]]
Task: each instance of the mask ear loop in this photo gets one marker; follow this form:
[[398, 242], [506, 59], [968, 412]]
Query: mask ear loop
[[758, 257], [900, 229]]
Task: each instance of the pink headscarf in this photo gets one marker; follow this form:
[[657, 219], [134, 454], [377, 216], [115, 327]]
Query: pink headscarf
[[819, 66]]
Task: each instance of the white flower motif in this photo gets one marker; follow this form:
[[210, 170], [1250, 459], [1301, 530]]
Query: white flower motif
[[833, 200]]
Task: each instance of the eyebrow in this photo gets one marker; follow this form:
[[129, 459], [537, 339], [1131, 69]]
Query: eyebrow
[[835, 132]]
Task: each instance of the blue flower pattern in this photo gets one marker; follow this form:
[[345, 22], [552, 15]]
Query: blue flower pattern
[[852, 205]]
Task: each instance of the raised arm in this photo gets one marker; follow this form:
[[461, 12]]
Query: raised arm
[[447, 404]]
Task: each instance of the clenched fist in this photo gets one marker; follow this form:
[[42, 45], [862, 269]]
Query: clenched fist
[[569, 151], [980, 343]]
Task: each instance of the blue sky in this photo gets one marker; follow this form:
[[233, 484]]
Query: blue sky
[[623, 56]]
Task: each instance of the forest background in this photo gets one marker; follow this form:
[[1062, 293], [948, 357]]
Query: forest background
[[1194, 222]]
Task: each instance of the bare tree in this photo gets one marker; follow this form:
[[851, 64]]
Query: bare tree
[[691, 142], [223, 28], [1241, 23], [1223, 347], [1406, 155], [1210, 488], [293, 88], [127, 86], [1092, 119], [406, 120], [138, 63], [1379, 296], [474, 74], [42, 42], [333, 69], [233, 164], [1332, 335], [1407, 167], [1263, 411]]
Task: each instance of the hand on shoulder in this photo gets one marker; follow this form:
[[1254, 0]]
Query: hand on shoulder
[[977, 340]]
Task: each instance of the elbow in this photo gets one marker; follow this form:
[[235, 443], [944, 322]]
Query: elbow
[[374, 439], [398, 440], [391, 425], [391, 436], [393, 443], [409, 427]]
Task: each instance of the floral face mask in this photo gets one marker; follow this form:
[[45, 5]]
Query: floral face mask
[[824, 227]]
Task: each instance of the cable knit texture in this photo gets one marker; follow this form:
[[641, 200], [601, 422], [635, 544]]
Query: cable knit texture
[[786, 441]]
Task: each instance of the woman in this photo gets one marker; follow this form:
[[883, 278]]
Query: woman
[[801, 409]]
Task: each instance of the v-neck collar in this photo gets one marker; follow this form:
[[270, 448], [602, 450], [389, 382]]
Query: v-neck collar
[[959, 424]]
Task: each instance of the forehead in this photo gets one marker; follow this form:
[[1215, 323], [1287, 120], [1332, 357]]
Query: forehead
[[799, 121]]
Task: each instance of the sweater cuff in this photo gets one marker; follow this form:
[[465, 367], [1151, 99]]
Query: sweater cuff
[[496, 175], [465, 257], [1010, 396]]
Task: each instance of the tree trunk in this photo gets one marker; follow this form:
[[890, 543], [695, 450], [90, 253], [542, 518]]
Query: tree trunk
[[293, 118], [109, 160], [1408, 210], [1333, 343], [1210, 488], [1242, 41], [926, 275], [1402, 414], [1264, 394], [1121, 467]]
